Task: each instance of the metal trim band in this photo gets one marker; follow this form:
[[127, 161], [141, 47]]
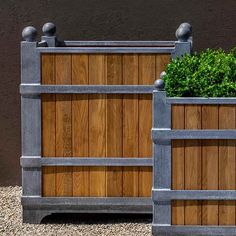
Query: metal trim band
[[106, 49], [86, 89], [37, 161], [168, 195], [192, 100], [192, 230], [120, 43], [159, 134]]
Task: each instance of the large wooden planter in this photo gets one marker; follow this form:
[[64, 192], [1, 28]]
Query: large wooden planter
[[194, 165], [86, 121]]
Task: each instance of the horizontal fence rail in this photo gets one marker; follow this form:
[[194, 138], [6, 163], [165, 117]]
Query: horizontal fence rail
[[162, 194], [83, 161], [106, 50], [201, 101], [159, 134], [120, 43], [85, 89]]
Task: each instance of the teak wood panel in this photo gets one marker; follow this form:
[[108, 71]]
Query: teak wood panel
[[204, 164], [98, 125]]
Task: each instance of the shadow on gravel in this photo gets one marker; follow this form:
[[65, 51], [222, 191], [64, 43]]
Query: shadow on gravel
[[72, 218]]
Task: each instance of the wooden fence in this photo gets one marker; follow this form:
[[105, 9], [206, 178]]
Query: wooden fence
[[86, 121], [195, 173], [98, 125]]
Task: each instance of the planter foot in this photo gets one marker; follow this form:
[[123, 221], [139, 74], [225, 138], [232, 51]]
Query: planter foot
[[34, 216]]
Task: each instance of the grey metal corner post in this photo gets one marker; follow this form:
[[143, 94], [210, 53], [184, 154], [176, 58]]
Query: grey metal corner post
[[31, 112], [161, 154], [184, 44], [31, 116]]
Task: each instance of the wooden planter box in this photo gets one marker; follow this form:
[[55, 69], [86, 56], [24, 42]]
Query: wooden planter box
[[194, 165], [86, 121]]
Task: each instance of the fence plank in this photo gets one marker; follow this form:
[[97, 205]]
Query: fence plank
[[161, 62], [178, 164], [97, 125], [210, 164], [227, 164], [63, 126], [80, 125], [114, 123], [48, 126], [147, 77], [130, 126], [192, 164]]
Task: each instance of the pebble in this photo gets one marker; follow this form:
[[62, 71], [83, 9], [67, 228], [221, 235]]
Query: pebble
[[67, 224]]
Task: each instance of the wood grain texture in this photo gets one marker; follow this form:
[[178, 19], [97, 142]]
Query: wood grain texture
[[48, 126], [161, 62], [130, 126], [80, 125], [63, 126], [146, 76], [97, 125], [114, 124], [210, 168], [227, 165], [192, 164], [178, 164]]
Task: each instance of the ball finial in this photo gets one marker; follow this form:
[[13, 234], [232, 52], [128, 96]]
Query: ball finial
[[49, 29], [29, 33], [159, 84], [187, 25], [184, 32], [163, 73]]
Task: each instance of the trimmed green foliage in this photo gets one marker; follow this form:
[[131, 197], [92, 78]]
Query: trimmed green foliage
[[211, 73]]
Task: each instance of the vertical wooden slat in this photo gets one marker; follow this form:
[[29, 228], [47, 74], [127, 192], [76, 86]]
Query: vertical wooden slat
[[210, 165], [227, 164], [192, 164], [146, 76], [114, 122], [161, 62], [80, 125], [178, 164], [130, 126], [63, 126], [97, 125], [48, 125]]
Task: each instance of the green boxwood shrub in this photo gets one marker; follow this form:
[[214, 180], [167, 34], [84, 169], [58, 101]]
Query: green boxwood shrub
[[211, 73]]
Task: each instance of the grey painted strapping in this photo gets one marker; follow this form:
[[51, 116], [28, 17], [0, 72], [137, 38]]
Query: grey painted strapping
[[86, 89], [29, 161]]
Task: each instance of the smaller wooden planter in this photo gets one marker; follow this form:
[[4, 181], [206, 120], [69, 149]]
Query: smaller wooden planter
[[194, 165]]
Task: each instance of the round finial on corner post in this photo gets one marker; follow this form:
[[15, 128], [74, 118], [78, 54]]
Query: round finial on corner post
[[159, 84], [184, 32], [49, 29], [29, 34], [187, 25], [163, 73]]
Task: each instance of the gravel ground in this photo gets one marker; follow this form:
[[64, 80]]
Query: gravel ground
[[67, 224]]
